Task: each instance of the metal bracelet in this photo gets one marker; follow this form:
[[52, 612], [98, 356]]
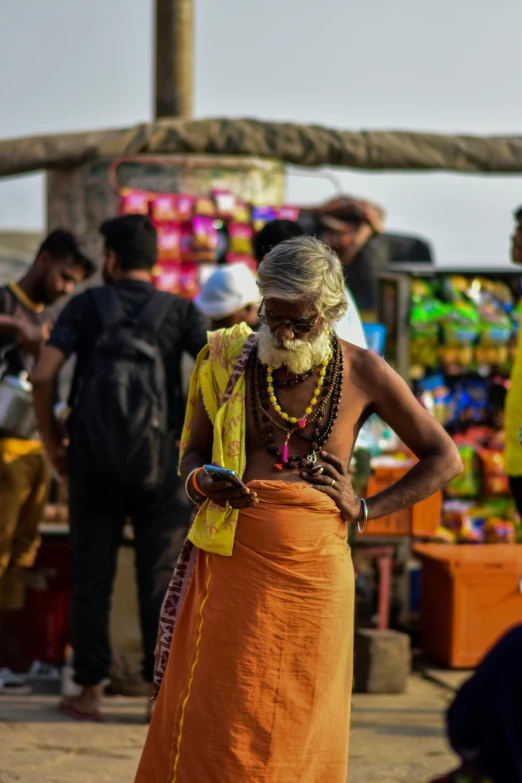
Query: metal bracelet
[[361, 529], [187, 484]]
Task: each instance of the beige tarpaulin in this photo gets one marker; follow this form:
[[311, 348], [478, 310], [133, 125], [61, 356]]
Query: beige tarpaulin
[[305, 145]]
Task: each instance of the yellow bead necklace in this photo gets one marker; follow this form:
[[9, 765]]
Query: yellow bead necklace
[[272, 395]]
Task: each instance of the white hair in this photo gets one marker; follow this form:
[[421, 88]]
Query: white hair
[[305, 268]]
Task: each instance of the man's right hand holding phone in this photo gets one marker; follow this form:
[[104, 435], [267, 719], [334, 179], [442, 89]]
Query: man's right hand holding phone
[[222, 492]]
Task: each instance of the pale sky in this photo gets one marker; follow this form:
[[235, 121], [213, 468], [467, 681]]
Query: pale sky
[[444, 65]]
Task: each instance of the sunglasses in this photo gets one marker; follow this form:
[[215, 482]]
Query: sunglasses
[[273, 322]]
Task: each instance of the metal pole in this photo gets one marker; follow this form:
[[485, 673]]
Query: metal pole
[[174, 58]]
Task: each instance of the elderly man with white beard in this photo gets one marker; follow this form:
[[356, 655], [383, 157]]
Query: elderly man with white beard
[[254, 656]]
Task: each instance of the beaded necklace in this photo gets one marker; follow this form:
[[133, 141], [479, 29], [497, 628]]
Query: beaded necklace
[[332, 376], [303, 420]]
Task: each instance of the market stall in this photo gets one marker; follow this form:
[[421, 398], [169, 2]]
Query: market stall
[[452, 335]]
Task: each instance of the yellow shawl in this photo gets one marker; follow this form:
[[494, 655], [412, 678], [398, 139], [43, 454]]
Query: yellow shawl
[[214, 528]]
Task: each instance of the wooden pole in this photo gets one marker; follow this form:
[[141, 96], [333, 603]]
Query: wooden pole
[[174, 58]]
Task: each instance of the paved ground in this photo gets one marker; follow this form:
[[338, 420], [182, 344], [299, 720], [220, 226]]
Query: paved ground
[[395, 739]]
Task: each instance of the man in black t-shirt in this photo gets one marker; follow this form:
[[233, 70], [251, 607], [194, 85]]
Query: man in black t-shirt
[[99, 505]]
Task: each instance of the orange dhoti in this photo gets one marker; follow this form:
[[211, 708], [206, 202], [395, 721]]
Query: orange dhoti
[[259, 678]]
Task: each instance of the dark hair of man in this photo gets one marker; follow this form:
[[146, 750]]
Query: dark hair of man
[[272, 234], [518, 213], [62, 244], [133, 239]]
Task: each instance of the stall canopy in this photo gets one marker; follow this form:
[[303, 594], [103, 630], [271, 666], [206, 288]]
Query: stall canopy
[[304, 145]]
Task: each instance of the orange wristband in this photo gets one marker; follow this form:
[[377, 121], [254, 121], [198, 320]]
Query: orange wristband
[[195, 483]]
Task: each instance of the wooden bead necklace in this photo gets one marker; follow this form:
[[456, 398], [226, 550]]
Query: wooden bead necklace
[[331, 375]]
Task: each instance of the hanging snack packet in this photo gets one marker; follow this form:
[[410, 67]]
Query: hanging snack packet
[[166, 277], [185, 206], [205, 207], [204, 238], [168, 242], [425, 318], [189, 281], [225, 203], [185, 243], [134, 202], [240, 239], [494, 480], [163, 208], [261, 216], [242, 213]]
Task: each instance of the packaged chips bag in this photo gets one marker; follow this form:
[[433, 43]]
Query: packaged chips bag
[[134, 202], [185, 206], [425, 319], [163, 208], [204, 238], [166, 277], [261, 216], [205, 207], [225, 202], [189, 281], [467, 485], [494, 480], [169, 242], [499, 531], [240, 239]]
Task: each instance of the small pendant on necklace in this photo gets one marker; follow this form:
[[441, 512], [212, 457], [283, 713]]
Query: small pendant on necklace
[[278, 466], [302, 423], [284, 453]]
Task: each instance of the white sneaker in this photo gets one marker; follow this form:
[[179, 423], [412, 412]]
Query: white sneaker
[[13, 684]]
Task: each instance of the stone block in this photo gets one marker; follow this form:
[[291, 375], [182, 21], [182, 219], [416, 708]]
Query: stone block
[[382, 661]]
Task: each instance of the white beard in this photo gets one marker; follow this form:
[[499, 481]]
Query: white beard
[[298, 356]]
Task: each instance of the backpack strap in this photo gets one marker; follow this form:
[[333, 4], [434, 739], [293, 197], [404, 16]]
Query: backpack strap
[[156, 309], [109, 308]]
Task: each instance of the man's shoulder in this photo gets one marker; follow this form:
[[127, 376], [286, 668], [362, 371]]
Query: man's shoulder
[[366, 366], [179, 307]]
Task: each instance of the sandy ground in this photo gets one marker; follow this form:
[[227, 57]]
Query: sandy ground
[[395, 739]]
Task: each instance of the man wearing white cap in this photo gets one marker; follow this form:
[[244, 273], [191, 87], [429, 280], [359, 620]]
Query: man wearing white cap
[[230, 296]]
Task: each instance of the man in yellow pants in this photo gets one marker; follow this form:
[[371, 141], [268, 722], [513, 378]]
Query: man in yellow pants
[[513, 411], [24, 475]]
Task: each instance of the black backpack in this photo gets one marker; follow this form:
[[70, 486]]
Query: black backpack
[[120, 423]]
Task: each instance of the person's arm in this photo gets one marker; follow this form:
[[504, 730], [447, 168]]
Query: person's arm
[[44, 383], [30, 337], [62, 343], [199, 453], [9, 324], [438, 457]]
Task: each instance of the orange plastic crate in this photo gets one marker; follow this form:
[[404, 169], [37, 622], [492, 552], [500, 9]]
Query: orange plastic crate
[[422, 520], [471, 595]]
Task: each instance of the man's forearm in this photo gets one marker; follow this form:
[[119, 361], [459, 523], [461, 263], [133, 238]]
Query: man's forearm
[[192, 460], [9, 324], [424, 479], [43, 394]]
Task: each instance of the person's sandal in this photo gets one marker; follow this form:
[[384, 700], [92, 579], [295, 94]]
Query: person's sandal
[[68, 708]]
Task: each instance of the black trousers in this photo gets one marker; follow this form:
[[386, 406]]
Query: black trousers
[[98, 509]]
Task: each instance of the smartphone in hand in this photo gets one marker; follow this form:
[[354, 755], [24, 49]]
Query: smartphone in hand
[[222, 474]]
